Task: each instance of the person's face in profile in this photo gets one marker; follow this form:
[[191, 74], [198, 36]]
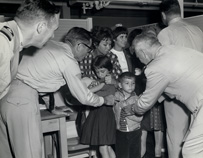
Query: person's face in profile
[[102, 72], [104, 46], [121, 41], [139, 51], [82, 49], [46, 32]]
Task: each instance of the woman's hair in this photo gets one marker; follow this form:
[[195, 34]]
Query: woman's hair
[[101, 33], [118, 30], [31, 11], [102, 61], [77, 34]]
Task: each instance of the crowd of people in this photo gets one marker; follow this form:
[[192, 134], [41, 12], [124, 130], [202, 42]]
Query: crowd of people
[[132, 82]]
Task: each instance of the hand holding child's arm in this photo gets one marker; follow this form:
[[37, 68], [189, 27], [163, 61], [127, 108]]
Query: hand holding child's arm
[[97, 87]]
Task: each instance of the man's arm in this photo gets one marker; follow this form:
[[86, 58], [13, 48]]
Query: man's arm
[[5, 57], [156, 84], [78, 89]]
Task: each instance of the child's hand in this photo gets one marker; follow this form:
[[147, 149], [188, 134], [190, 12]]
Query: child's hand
[[93, 84], [137, 71], [110, 80], [131, 100], [129, 110]]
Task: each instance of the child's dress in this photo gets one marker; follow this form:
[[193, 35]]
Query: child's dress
[[154, 119], [100, 125]]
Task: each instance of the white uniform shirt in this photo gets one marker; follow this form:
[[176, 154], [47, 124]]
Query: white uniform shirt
[[9, 62], [177, 71], [52, 67], [182, 33]]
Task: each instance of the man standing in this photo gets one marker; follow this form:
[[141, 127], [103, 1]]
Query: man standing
[[184, 34], [33, 25], [49, 68], [177, 72]]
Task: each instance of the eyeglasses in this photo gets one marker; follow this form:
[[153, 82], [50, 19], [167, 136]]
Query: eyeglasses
[[90, 49]]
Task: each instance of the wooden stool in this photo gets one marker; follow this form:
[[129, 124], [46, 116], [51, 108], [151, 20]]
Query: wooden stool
[[57, 124]]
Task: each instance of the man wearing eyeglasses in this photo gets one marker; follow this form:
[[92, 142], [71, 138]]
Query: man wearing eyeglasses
[[45, 71]]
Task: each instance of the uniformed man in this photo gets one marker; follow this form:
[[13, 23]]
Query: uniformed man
[[33, 25], [181, 33], [177, 72]]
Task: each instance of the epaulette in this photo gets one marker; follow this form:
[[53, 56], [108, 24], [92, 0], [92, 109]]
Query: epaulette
[[7, 32]]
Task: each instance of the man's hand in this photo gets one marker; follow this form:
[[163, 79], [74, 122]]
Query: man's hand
[[129, 109], [109, 100], [132, 100], [64, 110]]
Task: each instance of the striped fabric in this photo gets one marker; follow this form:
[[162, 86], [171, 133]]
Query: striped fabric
[[123, 121]]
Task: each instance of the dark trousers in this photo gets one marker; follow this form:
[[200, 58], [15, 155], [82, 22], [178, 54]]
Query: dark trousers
[[128, 144]]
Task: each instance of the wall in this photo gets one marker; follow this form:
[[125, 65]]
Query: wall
[[104, 17], [110, 17]]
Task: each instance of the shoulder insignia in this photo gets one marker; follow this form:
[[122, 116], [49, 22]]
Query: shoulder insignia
[[7, 32]]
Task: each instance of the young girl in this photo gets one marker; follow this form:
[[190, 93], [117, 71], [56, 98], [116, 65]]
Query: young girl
[[100, 127]]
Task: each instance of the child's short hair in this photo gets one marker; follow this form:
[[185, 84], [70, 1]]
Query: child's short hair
[[102, 61], [125, 75]]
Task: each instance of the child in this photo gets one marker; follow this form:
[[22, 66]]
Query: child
[[100, 127], [128, 133]]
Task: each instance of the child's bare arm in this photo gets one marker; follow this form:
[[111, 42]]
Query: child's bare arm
[[96, 87]]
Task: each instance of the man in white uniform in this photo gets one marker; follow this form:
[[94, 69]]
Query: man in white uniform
[[184, 34], [177, 72], [45, 71], [33, 25]]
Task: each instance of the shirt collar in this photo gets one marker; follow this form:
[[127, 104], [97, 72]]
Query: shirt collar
[[175, 20], [20, 38]]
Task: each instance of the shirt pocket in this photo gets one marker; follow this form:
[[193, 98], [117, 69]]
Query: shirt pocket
[[17, 101], [24, 103]]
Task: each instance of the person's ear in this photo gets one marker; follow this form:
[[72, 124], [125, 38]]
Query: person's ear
[[78, 47], [41, 27], [119, 85], [146, 56], [163, 16]]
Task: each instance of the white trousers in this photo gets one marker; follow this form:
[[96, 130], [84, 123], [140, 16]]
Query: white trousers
[[193, 145], [20, 124], [177, 120]]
